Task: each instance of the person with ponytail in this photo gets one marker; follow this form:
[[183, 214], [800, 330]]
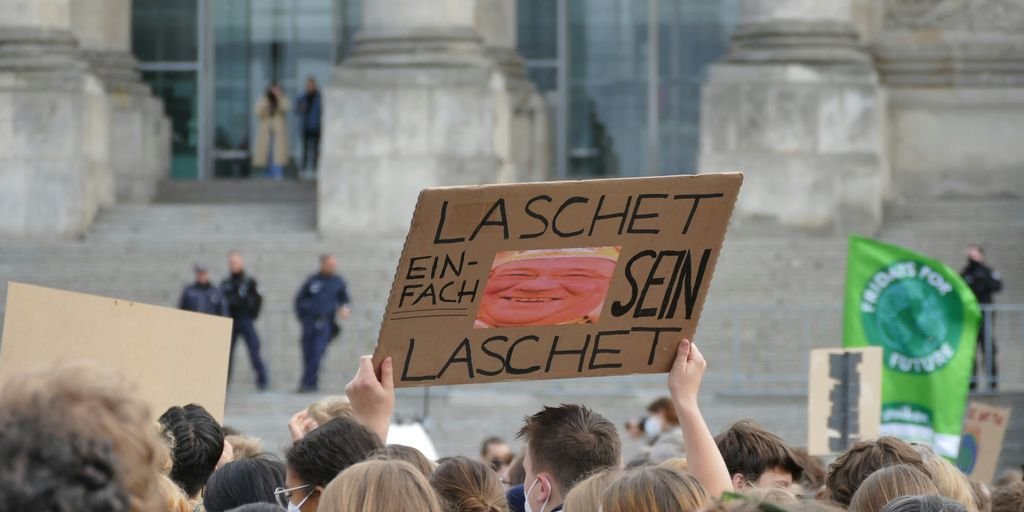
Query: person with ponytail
[[465, 485]]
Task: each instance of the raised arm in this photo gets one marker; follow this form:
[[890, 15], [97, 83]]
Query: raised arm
[[706, 463], [373, 399]]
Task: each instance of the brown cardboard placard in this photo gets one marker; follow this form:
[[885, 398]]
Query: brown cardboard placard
[[982, 440], [553, 280], [844, 399], [171, 357]]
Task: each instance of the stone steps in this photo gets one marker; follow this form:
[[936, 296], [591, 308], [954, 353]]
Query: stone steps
[[222, 191], [145, 253]]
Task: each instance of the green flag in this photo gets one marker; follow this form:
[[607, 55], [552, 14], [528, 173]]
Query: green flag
[[926, 318]]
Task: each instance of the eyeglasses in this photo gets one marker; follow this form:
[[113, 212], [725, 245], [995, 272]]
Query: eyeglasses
[[284, 496]]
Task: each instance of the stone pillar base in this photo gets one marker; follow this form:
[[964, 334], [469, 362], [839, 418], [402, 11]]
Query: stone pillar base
[[808, 139], [957, 142], [139, 130], [421, 109]]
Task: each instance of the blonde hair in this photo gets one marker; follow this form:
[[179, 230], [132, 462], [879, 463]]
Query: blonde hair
[[773, 495], [245, 447], [889, 483], [654, 488], [379, 486], [950, 481], [586, 495], [174, 496], [328, 408], [679, 464]]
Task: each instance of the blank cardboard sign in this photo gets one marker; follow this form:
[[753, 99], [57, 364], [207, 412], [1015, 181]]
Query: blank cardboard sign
[[550, 280], [982, 440], [844, 398], [170, 357]]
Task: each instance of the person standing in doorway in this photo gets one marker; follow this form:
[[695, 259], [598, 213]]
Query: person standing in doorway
[[321, 301], [309, 107], [271, 148], [244, 302], [984, 282], [201, 296]]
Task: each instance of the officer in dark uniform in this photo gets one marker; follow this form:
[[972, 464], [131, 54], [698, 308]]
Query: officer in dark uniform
[[984, 282], [244, 302], [201, 296], [322, 300]]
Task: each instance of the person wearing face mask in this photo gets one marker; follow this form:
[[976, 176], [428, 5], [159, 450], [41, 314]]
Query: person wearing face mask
[[663, 431], [564, 445]]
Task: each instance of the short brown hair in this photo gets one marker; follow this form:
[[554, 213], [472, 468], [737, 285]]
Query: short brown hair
[[750, 450], [890, 483], [664, 404], [570, 441], [847, 472], [654, 488], [465, 485], [814, 471], [1008, 498], [379, 485]]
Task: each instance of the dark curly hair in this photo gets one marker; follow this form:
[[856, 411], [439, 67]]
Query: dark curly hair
[[330, 448], [73, 439]]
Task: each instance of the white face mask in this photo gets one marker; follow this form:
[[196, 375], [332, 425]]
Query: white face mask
[[298, 508], [526, 502], [652, 427]]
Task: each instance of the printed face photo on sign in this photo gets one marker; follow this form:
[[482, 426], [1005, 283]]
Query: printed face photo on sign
[[547, 287]]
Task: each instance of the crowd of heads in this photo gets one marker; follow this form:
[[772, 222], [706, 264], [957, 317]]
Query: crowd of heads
[[74, 438]]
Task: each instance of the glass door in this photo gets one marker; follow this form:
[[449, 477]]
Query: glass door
[[165, 39], [257, 43]]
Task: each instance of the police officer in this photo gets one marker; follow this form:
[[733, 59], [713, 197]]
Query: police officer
[[984, 282], [244, 302], [322, 300], [201, 296]]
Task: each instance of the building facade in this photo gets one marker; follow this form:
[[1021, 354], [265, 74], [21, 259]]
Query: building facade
[[831, 108]]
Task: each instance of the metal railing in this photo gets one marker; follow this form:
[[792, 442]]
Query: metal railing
[[765, 348]]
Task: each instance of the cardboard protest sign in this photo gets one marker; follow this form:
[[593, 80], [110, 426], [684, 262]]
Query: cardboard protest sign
[[171, 357], [844, 401], [983, 433], [552, 280]]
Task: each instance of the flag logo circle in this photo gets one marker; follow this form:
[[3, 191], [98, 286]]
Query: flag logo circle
[[912, 311]]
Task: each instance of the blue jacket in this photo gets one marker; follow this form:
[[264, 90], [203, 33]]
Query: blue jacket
[[203, 298], [320, 297], [310, 109]]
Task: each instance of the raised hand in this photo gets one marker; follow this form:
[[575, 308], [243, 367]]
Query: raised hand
[[373, 399]]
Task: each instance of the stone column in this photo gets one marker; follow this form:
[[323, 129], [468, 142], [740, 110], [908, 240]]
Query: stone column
[[54, 170], [796, 106], [140, 133], [432, 94], [955, 75]]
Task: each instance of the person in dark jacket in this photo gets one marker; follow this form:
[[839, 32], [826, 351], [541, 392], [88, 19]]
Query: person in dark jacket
[[244, 302], [320, 302], [201, 296], [308, 106], [984, 282]]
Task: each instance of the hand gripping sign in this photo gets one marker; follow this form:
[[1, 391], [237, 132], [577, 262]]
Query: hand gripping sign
[[553, 280]]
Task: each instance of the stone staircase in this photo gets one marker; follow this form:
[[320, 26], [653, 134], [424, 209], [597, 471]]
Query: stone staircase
[[775, 295]]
